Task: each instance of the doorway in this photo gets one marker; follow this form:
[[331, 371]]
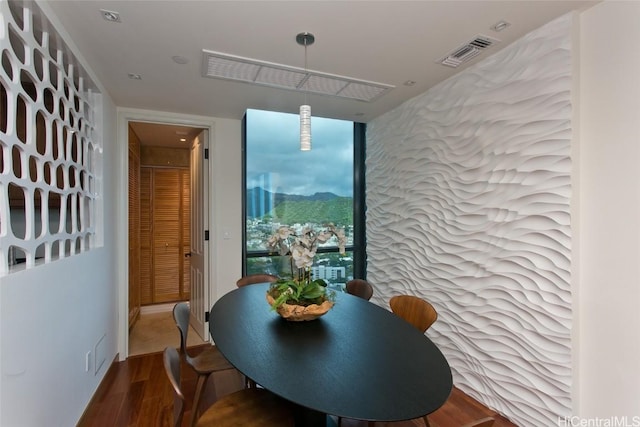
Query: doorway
[[159, 232]]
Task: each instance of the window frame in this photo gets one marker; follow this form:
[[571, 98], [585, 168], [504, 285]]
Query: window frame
[[359, 206]]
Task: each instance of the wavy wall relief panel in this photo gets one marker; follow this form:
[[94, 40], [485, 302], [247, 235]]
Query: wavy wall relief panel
[[468, 201]]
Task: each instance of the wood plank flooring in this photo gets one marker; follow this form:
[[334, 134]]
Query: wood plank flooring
[[137, 393]]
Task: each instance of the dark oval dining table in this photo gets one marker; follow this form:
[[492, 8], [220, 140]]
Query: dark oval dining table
[[357, 361]]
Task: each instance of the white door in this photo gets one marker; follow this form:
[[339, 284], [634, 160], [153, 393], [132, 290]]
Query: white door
[[199, 299]]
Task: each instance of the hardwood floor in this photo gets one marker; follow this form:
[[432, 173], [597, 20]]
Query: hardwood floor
[[136, 392]]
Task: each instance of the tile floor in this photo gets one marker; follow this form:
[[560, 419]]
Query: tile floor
[[155, 330]]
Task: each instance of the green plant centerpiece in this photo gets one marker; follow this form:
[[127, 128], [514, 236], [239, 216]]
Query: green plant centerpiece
[[300, 297]]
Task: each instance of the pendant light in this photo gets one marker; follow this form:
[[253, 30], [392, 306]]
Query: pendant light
[[305, 39]]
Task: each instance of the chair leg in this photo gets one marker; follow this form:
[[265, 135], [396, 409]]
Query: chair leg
[[426, 421], [202, 381], [249, 383]]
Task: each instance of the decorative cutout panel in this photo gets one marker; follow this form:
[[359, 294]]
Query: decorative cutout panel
[[49, 144], [468, 206]]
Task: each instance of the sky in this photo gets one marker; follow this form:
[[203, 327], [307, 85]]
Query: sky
[[273, 146]]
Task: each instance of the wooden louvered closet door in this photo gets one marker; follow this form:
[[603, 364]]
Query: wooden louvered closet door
[[186, 234], [134, 231], [165, 232], [146, 262]]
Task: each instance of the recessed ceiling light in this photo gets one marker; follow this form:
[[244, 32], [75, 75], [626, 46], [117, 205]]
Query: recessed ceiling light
[[110, 15], [409, 83], [180, 59], [499, 26], [183, 139], [134, 76]]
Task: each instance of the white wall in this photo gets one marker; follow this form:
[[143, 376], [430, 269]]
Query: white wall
[[52, 315], [226, 185], [608, 380]]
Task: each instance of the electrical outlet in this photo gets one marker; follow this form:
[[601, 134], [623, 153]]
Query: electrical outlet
[[87, 361]]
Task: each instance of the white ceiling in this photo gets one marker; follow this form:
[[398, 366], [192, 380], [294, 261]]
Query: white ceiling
[[388, 42]]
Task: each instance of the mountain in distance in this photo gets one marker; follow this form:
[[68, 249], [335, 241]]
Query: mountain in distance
[[294, 208]]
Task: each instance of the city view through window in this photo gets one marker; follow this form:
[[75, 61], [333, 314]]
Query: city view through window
[[289, 187]]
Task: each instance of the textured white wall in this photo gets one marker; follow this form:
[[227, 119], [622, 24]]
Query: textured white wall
[[468, 198]]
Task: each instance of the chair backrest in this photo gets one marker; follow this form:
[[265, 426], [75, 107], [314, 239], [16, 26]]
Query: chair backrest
[[360, 288], [171, 360], [485, 422], [246, 407], [414, 310], [251, 279], [181, 315]]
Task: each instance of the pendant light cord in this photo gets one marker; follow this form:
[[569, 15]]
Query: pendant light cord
[[305, 67], [305, 39]]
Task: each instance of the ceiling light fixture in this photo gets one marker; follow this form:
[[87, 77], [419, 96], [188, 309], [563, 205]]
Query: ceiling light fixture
[[305, 39], [180, 59], [499, 26], [110, 15], [134, 76]]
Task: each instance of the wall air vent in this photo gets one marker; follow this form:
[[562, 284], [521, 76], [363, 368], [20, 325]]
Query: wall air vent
[[467, 51]]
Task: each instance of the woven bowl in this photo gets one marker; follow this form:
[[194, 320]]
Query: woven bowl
[[299, 313]]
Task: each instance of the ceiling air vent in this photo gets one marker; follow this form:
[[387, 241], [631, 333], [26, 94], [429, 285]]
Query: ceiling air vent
[[229, 67], [467, 51]]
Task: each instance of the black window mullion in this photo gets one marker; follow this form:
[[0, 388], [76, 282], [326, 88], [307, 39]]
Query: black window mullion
[[359, 206], [243, 190]]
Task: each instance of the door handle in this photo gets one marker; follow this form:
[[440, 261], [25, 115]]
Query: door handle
[[187, 255]]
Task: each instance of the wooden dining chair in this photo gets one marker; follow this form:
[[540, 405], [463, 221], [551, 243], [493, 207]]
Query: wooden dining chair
[[485, 422], [251, 279], [417, 312], [205, 363], [414, 310], [363, 289], [253, 407], [360, 288]]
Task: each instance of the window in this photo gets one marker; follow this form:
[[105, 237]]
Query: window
[[288, 187]]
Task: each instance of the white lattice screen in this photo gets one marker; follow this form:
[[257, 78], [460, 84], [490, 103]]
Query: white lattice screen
[[50, 144]]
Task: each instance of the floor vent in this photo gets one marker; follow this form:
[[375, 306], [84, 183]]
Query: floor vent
[[467, 51]]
